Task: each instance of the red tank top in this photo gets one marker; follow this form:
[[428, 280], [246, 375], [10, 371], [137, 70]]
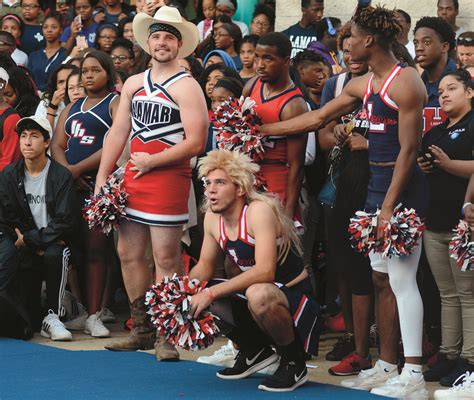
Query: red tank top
[[270, 109]]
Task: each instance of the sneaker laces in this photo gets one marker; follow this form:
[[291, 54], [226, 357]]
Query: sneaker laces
[[349, 359], [467, 379], [53, 320]]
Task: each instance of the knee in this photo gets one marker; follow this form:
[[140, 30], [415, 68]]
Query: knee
[[259, 297], [167, 260], [56, 255]]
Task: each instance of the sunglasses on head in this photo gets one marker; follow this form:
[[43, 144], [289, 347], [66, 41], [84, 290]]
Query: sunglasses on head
[[466, 41]]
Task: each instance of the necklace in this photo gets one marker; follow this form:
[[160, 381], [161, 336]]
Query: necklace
[[268, 93]]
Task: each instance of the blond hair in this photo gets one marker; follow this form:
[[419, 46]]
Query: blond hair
[[241, 171]]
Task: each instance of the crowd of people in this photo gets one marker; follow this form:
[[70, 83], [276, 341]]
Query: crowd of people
[[88, 86]]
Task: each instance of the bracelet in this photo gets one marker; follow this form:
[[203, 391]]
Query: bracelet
[[51, 114], [53, 106], [464, 206], [209, 293]]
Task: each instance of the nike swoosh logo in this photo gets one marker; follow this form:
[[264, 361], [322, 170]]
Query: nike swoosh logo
[[297, 378], [252, 360], [386, 370]]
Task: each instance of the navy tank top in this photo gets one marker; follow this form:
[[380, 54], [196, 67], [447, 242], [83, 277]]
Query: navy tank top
[[242, 252], [382, 113], [86, 129]]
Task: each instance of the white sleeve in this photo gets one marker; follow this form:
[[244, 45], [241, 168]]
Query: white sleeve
[[310, 154]]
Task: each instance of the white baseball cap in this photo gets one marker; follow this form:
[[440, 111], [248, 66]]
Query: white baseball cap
[[43, 125]]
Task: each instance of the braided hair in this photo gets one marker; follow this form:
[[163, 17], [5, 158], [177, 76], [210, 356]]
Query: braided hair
[[379, 22]]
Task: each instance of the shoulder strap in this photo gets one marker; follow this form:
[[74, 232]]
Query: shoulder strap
[[339, 84], [9, 111]]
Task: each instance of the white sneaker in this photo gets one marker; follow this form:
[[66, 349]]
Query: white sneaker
[[403, 386], [271, 369], [224, 356], [463, 388], [370, 378], [53, 328], [95, 327], [107, 316]]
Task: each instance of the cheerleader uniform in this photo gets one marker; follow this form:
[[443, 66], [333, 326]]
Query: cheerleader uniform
[[303, 307], [382, 114], [86, 130], [274, 166], [160, 197]]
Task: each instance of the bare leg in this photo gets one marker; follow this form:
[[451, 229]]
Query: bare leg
[[166, 250], [96, 269], [362, 310], [270, 309], [133, 239], [387, 318]]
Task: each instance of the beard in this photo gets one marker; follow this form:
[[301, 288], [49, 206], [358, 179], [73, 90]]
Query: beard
[[164, 57]]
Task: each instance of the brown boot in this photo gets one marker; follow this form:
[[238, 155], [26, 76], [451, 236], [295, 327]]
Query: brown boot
[[143, 334], [165, 351]]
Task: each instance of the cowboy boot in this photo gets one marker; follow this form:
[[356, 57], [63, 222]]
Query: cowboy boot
[[142, 335], [165, 351]]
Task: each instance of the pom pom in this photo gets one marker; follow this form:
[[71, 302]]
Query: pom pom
[[401, 234], [104, 211], [237, 127], [462, 246], [169, 303]]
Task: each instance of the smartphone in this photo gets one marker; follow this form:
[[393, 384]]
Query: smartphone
[[78, 19], [81, 42]]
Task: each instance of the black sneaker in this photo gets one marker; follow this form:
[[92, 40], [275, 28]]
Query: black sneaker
[[288, 376], [442, 368], [460, 368], [247, 363], [342, 348]]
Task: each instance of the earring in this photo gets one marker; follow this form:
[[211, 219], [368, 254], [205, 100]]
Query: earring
[[2, 85]]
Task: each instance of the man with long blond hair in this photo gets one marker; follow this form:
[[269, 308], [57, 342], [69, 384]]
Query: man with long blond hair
[[269, 302]]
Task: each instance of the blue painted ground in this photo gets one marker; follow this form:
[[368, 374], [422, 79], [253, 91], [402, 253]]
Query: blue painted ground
[[32, 371]]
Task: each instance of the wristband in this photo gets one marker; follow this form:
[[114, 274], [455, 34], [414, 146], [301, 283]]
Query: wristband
[[53, 106], [209, 293], [51, 114], [464, 207]]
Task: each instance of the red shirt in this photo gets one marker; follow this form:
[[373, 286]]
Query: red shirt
[[10, 144]]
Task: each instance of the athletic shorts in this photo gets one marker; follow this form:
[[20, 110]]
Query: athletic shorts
[[304, 309]]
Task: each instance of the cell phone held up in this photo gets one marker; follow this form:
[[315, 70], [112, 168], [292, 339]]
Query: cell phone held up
[[428, 157]]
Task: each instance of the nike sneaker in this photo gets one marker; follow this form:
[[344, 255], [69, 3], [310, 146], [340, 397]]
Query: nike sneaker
[[248, 363], [288, 376]]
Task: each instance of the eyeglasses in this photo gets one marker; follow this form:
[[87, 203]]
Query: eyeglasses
[[107, 37], [29, 6], [261, 24], [216, 35], [121, 58]]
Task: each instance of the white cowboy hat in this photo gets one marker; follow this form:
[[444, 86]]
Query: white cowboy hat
[[170, 16]]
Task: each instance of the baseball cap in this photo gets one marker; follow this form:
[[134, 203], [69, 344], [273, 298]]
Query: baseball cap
[[41, 123]]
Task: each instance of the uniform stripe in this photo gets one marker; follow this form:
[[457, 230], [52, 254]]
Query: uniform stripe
[[300, 309], [308, 338], [156, 219], [62, 286]]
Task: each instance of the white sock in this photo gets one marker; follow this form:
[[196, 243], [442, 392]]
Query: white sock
[[414, 369], [387, 367]]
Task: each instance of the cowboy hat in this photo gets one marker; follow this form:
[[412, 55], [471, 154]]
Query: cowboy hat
[[170, 16]]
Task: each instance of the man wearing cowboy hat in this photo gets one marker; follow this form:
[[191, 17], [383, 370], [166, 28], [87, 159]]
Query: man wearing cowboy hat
[[165, 111]]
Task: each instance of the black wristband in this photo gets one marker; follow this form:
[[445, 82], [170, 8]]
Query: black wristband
[[53, 106]]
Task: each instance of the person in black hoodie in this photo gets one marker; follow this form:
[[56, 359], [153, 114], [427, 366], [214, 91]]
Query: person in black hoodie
[[35, 224]]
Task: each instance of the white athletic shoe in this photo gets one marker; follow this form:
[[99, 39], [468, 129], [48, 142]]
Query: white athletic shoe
[[53, 328], [224, 356], [370, 378], [463, 388], [95, 327], [406, 386], [107, 316], [75, 313], [271, 369]]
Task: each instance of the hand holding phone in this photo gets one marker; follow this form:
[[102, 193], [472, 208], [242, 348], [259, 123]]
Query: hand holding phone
[[81, 42]]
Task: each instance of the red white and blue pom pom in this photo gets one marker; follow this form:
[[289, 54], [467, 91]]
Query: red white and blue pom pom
[[462, 246], [237, 127], [401, 234], [104, 211], [169, 303]]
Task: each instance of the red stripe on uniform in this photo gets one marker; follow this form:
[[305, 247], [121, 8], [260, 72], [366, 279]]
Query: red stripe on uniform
[[300, 308]]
